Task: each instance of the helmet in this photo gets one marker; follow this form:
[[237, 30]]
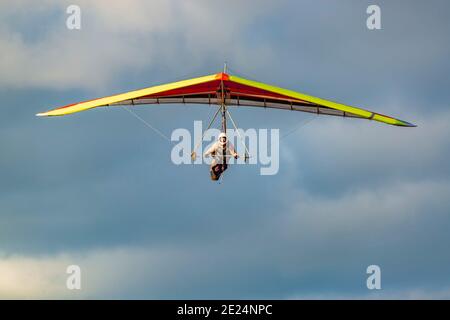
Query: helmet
[[222, 135]]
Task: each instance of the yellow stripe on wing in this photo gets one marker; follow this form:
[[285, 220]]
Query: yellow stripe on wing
[[82, 106], [322, 102]]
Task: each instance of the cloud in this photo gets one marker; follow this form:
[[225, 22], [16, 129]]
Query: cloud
[[360, 154], [27, 277], [408, 294], [327, 241], [318, 234], [116, 40], [104, 273], [97, 189]]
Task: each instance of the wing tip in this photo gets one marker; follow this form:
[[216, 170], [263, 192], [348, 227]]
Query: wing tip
[[407, 124]]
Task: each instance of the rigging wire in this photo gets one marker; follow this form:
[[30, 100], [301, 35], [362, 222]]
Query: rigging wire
[[239, 134], [301, 124], [146, 123], [239, 74], [193, 154]]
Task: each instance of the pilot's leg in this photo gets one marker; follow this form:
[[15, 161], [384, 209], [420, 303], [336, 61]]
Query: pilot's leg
[[215, 174], [213, 163]]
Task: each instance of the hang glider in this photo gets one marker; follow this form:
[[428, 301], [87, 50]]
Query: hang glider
[[228, 90]]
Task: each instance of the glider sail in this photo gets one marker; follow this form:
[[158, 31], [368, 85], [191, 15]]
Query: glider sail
[[231, 91]]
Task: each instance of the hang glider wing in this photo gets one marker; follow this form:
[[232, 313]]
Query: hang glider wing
[[231, 90], [142, 96]]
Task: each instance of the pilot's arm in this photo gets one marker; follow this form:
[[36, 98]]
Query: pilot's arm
[[233, 151], [211, 150]]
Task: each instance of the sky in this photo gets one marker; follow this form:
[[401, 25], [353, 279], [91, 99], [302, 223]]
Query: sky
[[98, 189]]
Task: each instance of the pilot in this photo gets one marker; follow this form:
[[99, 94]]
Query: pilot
[[217, 151]]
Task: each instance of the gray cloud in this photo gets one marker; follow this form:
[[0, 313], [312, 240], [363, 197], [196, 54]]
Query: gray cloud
[[118, 40], [98, 188]]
